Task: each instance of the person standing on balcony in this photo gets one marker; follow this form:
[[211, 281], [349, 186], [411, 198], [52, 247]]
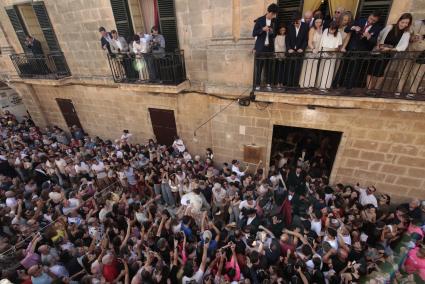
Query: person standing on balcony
[[413, 71], [309, 69], [140, 48], [363, 37], [105, 40], [264, 32], [280, 49], [154, 59], [296, 43], [394, 38], [120, 49], [34, 45], [330, 43], [118, 43], [336, 18], [308, 18]]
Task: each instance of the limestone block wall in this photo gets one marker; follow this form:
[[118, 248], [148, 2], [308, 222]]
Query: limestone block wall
[[384, 148]]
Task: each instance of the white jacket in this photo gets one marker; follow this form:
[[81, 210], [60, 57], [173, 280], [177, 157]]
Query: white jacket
[[402, 44]]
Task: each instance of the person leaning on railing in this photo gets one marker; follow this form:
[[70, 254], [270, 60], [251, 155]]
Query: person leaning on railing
[[296, 43], [414, 70], [394, 38], [120, 50], [363, 36]]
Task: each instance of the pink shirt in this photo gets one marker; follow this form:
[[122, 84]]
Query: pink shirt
[[233, 264], [415, 264], [30, 259]]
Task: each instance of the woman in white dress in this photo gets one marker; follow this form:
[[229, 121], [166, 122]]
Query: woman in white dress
[[140, 47], [330, 43], [280, 49], [311, 61]]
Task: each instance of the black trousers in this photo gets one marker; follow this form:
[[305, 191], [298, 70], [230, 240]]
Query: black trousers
[[264, 62], [352, 71], [293, 67]]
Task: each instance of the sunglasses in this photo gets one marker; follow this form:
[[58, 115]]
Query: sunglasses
[[337, 12]]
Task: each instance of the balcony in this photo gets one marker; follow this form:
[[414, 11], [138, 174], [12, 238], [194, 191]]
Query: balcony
[[50, 66], [163, 68], [390, 75]]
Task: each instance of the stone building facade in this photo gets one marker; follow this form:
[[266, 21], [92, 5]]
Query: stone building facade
[[383, 141]]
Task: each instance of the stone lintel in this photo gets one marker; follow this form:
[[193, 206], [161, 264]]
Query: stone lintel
[[343, 102]]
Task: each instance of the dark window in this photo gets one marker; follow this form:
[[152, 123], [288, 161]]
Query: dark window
[[366, 7], [287, 8], [46, 26], [18, 25], [168, 24], [122, 18]]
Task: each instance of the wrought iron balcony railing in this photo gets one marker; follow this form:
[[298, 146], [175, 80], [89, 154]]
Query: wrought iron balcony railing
[[373, 74], [50, 66], [166, 68]]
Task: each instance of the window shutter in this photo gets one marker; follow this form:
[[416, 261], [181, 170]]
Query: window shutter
[[18, 25], [122, 18], [287, 8], [368, 6], [46, 26], [168, 24]]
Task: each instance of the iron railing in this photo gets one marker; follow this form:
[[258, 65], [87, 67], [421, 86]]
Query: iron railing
[[149, 68], [376, 74], [50, 66]]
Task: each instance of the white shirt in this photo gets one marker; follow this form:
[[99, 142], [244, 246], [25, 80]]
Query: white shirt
[[197, 277], [329, 41], [126, 136], [82, 168], [61, 164], [316, 226], [366, 199], [99, 169], [237, 171], [178, 143], [268, 23], [297, 30]]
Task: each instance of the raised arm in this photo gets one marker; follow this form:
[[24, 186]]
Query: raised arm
[[127, 236], [204, 257]]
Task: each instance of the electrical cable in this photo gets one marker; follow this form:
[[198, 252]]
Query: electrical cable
[[13, 248], [220, 111]]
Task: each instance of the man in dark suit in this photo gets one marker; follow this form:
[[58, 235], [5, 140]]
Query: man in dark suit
[[296, 42], [265, 29], [105, 40], [34, 45], [364, 34], [37, 62]]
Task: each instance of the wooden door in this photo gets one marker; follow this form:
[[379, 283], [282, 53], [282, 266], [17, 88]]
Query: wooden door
[[68, 111], [164, 125]]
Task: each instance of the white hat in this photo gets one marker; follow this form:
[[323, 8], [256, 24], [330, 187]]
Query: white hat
[[207, 235], [216, 186]]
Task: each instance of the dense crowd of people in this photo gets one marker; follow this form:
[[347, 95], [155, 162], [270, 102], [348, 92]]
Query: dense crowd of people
[[79, 209], [314, 52]]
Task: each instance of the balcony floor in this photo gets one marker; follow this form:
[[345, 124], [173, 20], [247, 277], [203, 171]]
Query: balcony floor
[[354, 93]]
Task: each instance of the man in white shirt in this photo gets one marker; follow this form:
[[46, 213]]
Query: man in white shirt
[[236, 168], [178, 145], [367, 197], [99, 170]]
